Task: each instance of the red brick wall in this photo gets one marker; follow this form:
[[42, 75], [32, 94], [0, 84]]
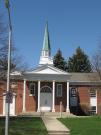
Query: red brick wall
[[83, 100], [2, 90], [99, 100], [31, 101], [19, 97], [83, 92], [1, 99]]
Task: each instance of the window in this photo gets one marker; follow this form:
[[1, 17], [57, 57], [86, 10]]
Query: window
[[32, 88], [59, 90], [92, 93], [46, 53], [73, 92], [93, 110], [14, 85]]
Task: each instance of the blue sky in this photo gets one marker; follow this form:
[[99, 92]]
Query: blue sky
[[72, 23]]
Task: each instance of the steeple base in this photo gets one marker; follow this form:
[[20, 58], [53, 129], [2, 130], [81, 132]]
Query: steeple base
[[45, 60]]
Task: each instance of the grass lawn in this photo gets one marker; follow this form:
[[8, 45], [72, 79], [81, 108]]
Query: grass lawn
[[83, 126], [24, 126]]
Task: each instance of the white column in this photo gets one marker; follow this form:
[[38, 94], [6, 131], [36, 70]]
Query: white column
[[4, 104], [67, 108], [96, 103], [38, 96], [14, 102], [24, 96], [53, 93]]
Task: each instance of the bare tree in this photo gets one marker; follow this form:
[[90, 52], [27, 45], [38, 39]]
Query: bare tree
[[96, 61], [3, 32], [17, 63]]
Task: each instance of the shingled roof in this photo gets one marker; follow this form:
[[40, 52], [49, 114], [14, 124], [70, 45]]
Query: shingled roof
[[85, 79]]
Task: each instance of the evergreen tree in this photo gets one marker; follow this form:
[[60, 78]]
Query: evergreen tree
[[79, 62], [59, 61]]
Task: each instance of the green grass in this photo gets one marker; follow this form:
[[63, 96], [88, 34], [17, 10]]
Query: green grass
[[24, 126], [83, 126]]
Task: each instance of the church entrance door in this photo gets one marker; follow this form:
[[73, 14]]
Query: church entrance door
[[46, 99]]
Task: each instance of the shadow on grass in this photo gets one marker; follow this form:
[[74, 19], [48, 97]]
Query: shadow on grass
[[24, 126]]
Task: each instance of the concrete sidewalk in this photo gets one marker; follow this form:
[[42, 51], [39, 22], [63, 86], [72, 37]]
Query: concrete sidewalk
[[55, 127]]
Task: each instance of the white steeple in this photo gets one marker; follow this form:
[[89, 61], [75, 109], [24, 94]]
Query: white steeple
[[46, 50]]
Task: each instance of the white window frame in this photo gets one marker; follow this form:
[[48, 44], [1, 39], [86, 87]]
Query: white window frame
[[57, 91], [30, 89], [92, 93]]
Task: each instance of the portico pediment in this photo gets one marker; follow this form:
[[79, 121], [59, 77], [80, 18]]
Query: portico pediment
[[47, 69]]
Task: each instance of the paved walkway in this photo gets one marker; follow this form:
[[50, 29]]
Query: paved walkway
[[55, 127]]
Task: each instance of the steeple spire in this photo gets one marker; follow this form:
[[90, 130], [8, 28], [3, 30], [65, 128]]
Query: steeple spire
[[46, 50], [46, 41]]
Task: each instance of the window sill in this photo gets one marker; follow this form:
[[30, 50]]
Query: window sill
[[59, 96], [31, 95]]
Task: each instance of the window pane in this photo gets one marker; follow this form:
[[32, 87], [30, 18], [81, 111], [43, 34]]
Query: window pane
[[59, 90], [93, 110], [93, 107], [32, 88], [73, 92]]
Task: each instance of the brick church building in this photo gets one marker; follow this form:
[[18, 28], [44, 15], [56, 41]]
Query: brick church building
[[43, 88]]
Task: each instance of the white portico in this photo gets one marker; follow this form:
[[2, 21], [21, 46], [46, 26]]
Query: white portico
[[46, 94]]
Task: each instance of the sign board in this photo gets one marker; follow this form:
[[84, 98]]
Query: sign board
[[9, 97]]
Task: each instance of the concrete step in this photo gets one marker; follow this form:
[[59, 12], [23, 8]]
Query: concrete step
[[58, 133], [54, 114], [58, 114]]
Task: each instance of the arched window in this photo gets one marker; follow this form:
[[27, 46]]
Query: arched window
[[46, 89], [32, 88]]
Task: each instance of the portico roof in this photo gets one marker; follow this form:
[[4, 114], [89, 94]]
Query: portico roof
[[47, 72]]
